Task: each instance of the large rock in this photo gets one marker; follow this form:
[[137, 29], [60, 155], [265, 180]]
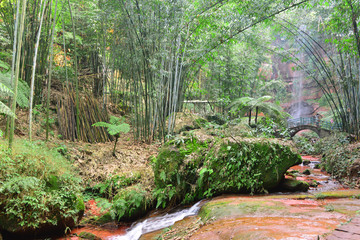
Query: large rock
[[193, 168], [88, 236], [293, 185]]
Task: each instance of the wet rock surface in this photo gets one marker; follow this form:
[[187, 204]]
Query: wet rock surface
[[293, 185], [302, 216], [349, 231], [268, 217]]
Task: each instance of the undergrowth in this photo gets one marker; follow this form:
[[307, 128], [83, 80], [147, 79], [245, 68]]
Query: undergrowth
[[341, 159], [37, 186]]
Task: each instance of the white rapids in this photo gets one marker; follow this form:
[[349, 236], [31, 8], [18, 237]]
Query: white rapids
[[157, 223]]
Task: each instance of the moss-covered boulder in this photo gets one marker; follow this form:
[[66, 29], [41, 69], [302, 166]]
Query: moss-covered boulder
[[306, 172], [88, 236], [293, 185], [197, 167]]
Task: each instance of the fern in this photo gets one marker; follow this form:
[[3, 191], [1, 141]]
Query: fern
[[115, 126], [23, 89], [4, 65], [4, 92], [6, 110], [245, 104]]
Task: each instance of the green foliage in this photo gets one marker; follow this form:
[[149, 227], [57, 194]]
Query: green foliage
[[4, 65], [6, 110], [306, 145], [189, 170], [110, 187], [245, 104], [131, 203], [341, 158], [115, 126], [4, 92], [37, 186], [23, 89], [267, 127]]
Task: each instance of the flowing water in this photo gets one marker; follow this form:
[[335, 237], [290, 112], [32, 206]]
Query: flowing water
[[157, 223], [153, 224], [326, 183]]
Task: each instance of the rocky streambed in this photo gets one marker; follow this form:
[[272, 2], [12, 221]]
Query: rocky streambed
[[280, 215]]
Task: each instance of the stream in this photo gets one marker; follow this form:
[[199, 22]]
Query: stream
[[148, 228], [156, 223]]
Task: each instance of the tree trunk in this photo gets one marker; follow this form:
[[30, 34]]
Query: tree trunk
[[7, 130], [16, 76], [50, 74], [256, 114], [249, 116], [65, 60], [76, 74], [34, 68], [116, 140]]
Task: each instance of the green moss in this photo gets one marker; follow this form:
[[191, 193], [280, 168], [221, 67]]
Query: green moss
[[88, 236], [218, 210], [80, 205], [106, 218], [339, 194], [188, 169], [295, 185]]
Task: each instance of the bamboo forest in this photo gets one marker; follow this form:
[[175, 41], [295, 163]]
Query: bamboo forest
[[179, 119]]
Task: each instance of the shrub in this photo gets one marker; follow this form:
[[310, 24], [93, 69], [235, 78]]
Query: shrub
[[112, 185], [131, 203], [340, 158], [304, 145], [38, 187]]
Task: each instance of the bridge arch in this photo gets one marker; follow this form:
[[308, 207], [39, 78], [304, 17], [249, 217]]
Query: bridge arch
[[319, 131], [311, 123], [295, 130]]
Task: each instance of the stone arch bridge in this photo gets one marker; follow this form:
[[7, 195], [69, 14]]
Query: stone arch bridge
[[321, 128]]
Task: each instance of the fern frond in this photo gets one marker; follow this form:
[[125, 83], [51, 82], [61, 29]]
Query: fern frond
[[4, 65], [116, 129], [23, 94], [115, 126], [23, 89], [263, 99], [240, 103], [115, 120], [5, 91], [6, 110], [5, 79], [101, 124]]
